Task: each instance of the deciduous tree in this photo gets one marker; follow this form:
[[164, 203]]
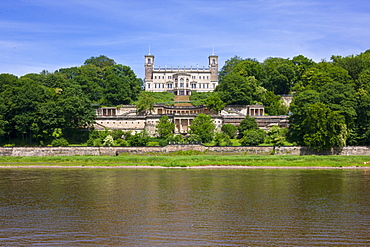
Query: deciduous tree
[[204, 127]]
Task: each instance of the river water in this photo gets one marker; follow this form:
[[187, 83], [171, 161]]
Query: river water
[[167, 207]]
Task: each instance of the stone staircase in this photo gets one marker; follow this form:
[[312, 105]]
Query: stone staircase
[[182, 98]]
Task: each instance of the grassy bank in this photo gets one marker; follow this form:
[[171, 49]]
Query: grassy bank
[[188, 160]]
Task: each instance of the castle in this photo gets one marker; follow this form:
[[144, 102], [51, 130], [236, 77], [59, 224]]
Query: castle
[[181, 82]]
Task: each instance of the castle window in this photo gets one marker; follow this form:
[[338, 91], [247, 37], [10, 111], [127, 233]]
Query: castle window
[[149, 61], [213, 61]]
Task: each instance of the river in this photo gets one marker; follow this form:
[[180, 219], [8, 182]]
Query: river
[[167, 207]]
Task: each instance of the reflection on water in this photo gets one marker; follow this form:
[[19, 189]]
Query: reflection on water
[[184, 207]]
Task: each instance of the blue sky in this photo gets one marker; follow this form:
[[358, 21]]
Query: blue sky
[[41, 35]]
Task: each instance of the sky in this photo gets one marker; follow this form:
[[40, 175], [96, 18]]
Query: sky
[[37, 35]]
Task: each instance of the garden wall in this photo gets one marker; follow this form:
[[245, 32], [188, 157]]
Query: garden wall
[[71, 151]]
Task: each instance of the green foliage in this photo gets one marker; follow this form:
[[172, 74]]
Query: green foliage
[[248, 123], [31, 109], [108, 141], [162, 143], [60, 142], [159, 97], [145, 103], [139, 139], [165, 127], [120, 143], [101, 61], [57, 133], [176, 139], [203, 126], [194, 138], [230, 130], [235, 89], [274, 105], [117, 134], [222, 139], [323, 128], [276, 136], [253, 137], [214, 102], [199, 98], [121, 85]]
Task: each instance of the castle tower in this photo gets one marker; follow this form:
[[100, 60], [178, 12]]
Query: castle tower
[[149, 66], [213, 66]]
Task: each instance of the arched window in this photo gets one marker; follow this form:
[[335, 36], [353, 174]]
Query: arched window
[[213, 61]]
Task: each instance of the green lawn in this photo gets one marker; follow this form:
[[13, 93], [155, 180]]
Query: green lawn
[[183, 160]]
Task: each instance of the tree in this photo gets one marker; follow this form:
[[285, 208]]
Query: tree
[[222, 138], [121, 85], [145, 103], [253, 137], [204, 127], [139, 139], [274, 105], [214, 102], [101, 61], [240, 90], [298, 107], [323, 128], [165, 127], [230, 130], [276, 135], [230, 66], [248, 123]]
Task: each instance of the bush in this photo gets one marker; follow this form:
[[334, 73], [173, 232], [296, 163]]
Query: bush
[[253, 137], [162, 143], [60, 142], [120, 143], [230, 130], [108, 141]]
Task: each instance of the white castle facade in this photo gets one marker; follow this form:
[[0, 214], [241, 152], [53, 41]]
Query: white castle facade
[[181, 80]]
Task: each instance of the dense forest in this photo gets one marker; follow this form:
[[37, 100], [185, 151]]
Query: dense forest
[[37, 108], [331, 103]]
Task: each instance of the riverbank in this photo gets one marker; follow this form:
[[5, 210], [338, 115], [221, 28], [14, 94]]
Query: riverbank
[[188, 161], [188, 167]]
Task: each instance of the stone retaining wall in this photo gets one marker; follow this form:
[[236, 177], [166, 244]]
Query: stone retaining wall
[[111, 151]]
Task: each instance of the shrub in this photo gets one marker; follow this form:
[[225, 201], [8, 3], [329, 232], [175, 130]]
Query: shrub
[[253, 137], [60, 142]]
